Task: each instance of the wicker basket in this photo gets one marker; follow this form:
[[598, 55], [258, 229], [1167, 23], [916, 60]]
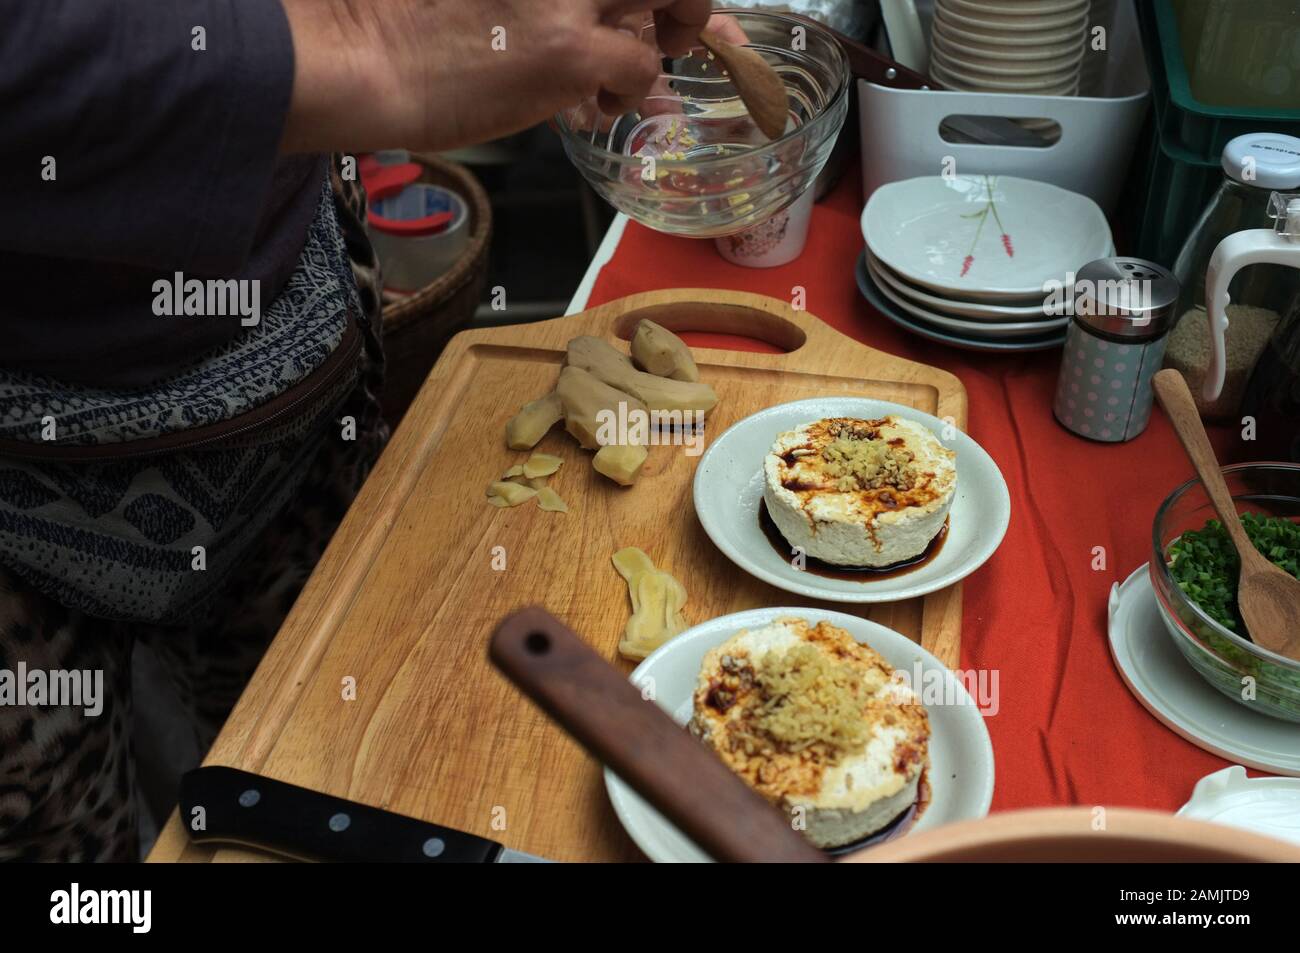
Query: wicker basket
[[418, 326]]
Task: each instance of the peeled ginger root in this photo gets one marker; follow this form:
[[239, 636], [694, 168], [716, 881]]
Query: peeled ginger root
[[610, 366], [657, 601], [657, 350], [583, 397]]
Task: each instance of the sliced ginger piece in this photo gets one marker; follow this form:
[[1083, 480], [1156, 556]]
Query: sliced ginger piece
[[550, 501], [534, 419], [496, 500], [514, 471], [540, 465], [630, 563], [657, 602], [512, 493], [620, 462]]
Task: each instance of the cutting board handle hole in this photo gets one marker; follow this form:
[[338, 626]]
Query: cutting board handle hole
[[537, 643], [740, 328]]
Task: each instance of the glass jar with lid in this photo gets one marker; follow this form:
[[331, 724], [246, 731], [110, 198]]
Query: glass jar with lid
[[1254, 166]]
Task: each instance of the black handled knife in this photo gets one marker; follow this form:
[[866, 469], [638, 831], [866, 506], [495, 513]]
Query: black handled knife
[[226, 805]]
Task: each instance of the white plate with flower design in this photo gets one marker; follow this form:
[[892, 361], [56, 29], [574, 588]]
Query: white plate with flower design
[[984, 236]]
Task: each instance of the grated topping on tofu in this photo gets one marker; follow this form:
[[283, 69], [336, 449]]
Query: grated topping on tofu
[[856, 463], [809, 703], [804, 699]]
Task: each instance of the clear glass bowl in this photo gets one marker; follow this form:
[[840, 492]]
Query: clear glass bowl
[[1223, 658], [691, 161]]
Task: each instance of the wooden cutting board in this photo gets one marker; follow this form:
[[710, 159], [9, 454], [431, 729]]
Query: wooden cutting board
[[403, 602]]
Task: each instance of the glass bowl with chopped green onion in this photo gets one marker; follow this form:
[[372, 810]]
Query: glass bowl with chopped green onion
[[1194, 573]]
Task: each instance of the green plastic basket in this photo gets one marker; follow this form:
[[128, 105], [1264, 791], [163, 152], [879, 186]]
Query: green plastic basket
[[1176, 167], [1191, 130]]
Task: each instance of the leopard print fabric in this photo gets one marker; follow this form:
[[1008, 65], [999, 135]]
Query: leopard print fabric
[[67, 781]]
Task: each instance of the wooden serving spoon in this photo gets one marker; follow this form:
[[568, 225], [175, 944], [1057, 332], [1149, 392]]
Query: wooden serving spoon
[[760, 89], [1267, 595]]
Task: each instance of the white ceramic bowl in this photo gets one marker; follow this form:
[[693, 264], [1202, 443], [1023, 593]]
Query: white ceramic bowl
[[1014, 8], [990, 53], [1016, 23], [1054, 84], [1011, 39], [994, 68]]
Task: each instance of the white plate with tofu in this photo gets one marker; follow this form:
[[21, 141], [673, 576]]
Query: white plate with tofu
[[953, 777], [850, 499]]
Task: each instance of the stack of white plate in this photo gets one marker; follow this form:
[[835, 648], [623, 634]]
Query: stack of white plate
[[1009, 46], [979, 261]]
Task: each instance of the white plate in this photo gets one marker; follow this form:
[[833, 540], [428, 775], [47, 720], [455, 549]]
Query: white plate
[[991, 330], [917, 228], [871, 293], [1180, 698], [1268, 806], [729, 488], [961, 755], [972, 310]]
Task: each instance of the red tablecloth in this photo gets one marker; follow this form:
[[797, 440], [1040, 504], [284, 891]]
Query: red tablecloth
[[1068, 731]]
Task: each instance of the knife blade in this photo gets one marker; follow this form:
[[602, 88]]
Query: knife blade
[[227, 805]]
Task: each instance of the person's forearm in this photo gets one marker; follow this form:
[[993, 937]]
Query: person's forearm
[[339, 97], [438, 74]]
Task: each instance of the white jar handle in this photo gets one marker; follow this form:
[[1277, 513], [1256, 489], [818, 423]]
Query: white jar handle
[[1255, 246]]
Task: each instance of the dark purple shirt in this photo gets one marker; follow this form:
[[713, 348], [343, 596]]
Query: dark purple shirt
[[166, 159]]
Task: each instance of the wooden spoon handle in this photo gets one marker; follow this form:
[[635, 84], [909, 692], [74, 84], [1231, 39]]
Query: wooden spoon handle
[[712, 42], [1177, 401], [757, 84], [605, 712]]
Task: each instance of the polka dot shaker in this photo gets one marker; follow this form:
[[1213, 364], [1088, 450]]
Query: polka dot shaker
[[1122, 311]]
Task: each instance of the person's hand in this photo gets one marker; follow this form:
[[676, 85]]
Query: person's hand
[[438, 74]]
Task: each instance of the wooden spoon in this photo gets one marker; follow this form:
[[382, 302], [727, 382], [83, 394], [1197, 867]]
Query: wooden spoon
[[1267, 595], [760, 89]]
